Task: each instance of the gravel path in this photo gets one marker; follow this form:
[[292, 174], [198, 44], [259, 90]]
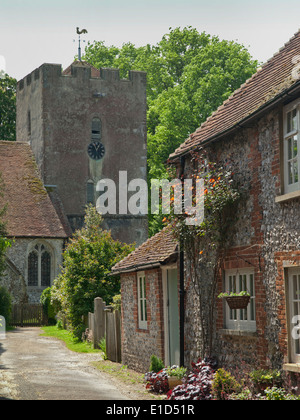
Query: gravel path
[[42, 368]]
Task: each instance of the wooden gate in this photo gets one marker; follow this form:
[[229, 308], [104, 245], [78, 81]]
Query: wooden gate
[[27, 315]]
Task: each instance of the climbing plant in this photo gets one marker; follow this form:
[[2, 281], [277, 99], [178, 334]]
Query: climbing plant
[[205, 243]]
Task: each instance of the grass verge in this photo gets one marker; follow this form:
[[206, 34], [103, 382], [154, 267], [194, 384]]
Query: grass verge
[[71, 343], [119, 371]]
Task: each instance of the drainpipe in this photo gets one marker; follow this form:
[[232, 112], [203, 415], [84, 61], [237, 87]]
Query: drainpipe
[[181, 281]]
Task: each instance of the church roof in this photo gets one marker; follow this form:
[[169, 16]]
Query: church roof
[[268, 84], [156, 251], [30, 212]]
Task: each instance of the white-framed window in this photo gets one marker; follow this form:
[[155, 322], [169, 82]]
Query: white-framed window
[[238, 281], [294, 313], [291, 147], [39, 266], [142, 300]]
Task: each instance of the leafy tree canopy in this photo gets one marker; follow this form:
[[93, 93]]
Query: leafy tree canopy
[[7, 108], [189, 75]]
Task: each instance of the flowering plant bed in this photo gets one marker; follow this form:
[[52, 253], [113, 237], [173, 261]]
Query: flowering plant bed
[[236, 300], [198, 384], [157, 382]]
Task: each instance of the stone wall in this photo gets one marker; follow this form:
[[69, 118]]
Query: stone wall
[[138, 345], [265, 237], [61, 108], [16, 275]]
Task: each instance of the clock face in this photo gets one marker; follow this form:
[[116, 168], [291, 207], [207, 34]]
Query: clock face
[[96, 150]]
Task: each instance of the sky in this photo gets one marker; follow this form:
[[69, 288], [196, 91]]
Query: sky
[[33, 32]]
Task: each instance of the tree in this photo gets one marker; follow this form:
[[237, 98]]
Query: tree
[[8, 108], [189, 75], [208, 78], [88, 259]]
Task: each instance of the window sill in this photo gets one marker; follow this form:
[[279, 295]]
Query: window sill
[[287, 197], [238, 333], [292, 367], [142, 330]]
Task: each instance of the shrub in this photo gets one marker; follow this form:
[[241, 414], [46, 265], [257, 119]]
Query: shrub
[[176, 371], [48, 308], [88, 259], [156, 364], [262, 379], [225, 384], [116, 303], [157, 381], [59, 325], [5, 304], [198, 384], [279, 394]]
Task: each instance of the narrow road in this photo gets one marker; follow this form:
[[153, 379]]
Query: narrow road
[[42, 368]]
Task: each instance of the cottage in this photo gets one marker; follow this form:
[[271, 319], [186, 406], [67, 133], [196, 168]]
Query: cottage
[[258, 130], [150, 302], [32, 223]]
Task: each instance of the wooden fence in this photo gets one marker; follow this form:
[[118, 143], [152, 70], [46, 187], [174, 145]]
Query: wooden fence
[[105, 322], [27, 315]]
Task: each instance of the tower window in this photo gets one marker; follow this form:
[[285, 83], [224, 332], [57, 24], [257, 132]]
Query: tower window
[[90, 194], [96, 129]]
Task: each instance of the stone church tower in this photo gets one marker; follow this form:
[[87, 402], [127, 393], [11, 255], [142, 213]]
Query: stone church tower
[[85, 125]]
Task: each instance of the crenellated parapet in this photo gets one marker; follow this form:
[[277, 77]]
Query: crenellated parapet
[[48, 74]]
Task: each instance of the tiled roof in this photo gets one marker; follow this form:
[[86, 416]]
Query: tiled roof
[[30, 212], [272, 79], [155, 251]]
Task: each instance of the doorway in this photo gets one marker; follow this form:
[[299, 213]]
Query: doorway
[[171, 316]]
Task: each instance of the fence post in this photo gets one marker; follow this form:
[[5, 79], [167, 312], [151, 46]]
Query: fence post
[[117, 320], [99, 321], [109, 334]]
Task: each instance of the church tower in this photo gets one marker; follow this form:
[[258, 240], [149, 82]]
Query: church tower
[[85, 125]]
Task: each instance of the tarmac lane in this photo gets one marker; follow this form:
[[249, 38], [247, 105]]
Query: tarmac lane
[[33, 367]]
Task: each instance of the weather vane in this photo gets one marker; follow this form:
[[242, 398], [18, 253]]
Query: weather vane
[[83, 31]]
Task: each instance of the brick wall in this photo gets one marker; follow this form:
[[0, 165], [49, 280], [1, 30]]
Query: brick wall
[[264, 236], [138, 345]]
